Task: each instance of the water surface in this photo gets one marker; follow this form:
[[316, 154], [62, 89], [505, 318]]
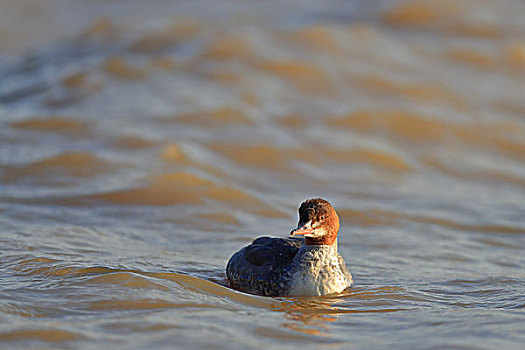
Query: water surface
[[142, 147]]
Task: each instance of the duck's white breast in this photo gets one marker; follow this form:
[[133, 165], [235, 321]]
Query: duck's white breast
[[318, 272]]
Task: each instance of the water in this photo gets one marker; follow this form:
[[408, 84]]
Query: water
[[142, 145]]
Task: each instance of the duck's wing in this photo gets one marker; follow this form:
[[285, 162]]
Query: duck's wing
[[344, 270], [261, 267]]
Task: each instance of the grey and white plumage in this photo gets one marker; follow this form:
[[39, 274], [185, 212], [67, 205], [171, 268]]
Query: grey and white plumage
[[309, 266]]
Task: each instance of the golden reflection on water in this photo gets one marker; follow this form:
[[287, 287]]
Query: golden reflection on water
[[310, 323]]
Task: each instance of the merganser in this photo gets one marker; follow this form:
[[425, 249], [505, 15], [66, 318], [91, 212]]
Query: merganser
[[309, 266]]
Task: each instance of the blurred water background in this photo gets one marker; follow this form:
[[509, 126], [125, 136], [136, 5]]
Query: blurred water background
[[143, 142]]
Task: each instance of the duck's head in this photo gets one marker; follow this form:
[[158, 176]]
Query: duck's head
[[318, 222]]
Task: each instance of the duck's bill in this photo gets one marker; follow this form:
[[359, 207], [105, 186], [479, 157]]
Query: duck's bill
[[300, 231]]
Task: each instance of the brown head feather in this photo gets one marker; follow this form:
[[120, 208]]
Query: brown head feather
[[319, 211]]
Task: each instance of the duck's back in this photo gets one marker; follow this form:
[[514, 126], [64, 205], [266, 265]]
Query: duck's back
[[263, 267]]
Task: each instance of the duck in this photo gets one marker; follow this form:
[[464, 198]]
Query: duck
[[305, 264]]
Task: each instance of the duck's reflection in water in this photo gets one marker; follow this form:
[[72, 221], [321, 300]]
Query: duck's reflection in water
[[310, 315], [313, 315]]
